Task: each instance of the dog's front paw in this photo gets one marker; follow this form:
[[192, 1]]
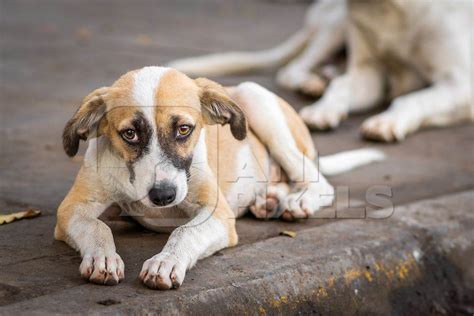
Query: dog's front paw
[[290, 77], [294, 78], [163, 272], [313, 85], [102, 269], [322, 116], [386, 127]]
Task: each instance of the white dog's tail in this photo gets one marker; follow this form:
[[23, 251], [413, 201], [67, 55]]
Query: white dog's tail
[[238, 62], [347, 160]]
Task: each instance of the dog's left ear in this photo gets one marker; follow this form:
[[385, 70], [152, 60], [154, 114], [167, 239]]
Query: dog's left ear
[[218, 108]]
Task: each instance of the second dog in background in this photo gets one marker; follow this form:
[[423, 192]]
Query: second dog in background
[[416, 54]]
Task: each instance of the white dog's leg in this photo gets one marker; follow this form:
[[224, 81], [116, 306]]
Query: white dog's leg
[[359, 89], [348, 93], [79, 226], [439, 105], [328, 38], [212, 229], [268, 117], [323, 16]]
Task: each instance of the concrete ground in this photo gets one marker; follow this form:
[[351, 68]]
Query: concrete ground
[[54, 52]]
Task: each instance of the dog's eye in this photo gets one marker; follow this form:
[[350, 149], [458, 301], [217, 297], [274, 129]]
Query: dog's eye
[[183, 131], [129, 135]]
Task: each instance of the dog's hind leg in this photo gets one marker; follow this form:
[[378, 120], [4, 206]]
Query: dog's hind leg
[[329, 24], [360, 89], [281, 130]]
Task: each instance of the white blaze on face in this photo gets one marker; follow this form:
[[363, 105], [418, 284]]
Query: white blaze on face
[[200, 152], [153, 166]]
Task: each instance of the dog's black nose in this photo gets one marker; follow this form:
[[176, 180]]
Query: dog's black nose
[[163, 194]]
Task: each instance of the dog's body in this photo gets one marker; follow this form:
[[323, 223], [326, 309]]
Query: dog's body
[[420, 50], [156, 151]]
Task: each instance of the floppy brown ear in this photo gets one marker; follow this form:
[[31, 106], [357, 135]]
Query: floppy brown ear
[[218, 108], [85, 121]]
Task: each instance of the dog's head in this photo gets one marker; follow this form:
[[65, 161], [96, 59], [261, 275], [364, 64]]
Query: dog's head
[[151, 122]]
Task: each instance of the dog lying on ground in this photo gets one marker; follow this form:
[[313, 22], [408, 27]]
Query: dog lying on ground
[[172, 151], [415, 53]]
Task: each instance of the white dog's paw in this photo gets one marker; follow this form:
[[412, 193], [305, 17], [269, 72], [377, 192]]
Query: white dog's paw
[[386, 127], [290, 78], [322, 117], [305, 202], [294, 78], [102, 269], [163, 272], [313, 85]]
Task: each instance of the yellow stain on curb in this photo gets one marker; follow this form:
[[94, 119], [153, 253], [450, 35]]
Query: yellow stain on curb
[[380, 272], [368, 276], [352, 275], [278, 301], [399, 272], [377, 266], [321, 292], [330, 282]]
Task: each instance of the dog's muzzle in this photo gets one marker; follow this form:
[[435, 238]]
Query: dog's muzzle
[[163, 194]]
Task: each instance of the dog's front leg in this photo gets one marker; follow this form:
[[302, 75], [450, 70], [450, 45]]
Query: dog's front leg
[[442, 104], [79, 226], [212, 229]]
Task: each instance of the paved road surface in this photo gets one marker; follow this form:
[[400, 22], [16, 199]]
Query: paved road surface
[[55, 52]]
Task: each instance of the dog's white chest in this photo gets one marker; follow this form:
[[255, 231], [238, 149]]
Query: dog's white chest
[[247, 182], [156, 219]]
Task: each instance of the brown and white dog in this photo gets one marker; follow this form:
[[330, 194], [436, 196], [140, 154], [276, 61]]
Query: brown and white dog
[[174, 151]]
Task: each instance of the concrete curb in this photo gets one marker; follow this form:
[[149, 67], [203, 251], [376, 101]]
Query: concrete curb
[[417, 261]]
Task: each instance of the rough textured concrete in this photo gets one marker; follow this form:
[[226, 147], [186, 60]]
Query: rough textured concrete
[[54, 53], [419, 260]]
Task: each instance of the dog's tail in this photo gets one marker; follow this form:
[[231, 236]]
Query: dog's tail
[[347, 160], [238, 62]]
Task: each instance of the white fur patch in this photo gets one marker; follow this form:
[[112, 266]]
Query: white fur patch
[[200, 151], [146, 82], [199, 238], [244, 186], [154, 167]]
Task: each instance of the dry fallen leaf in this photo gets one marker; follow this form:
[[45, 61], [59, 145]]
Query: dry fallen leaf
[[29, 213], [288, 233]]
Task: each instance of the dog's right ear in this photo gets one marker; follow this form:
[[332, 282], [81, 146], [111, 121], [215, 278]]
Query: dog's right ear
[[85, 121]]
